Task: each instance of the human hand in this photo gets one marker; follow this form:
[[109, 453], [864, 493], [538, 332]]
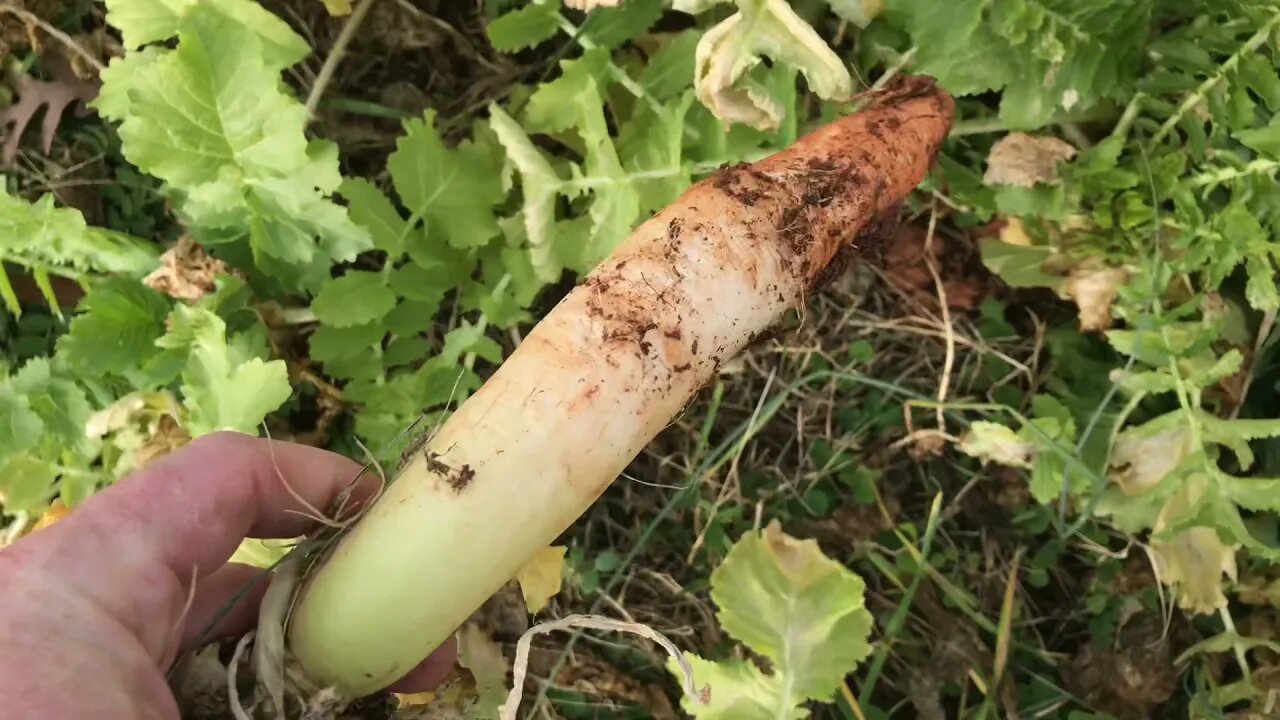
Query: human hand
[[94, 609]]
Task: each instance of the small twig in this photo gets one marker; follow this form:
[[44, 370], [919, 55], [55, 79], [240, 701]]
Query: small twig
[[903, 60], [594, 622], [312, 512], [57, 34], [949, 360], [268, 650], [339, 49], [1264, 332], [175, 634]]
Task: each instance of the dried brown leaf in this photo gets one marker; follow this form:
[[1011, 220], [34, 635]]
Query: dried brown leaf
[[1026, 160], [186, 271], [53, 97]]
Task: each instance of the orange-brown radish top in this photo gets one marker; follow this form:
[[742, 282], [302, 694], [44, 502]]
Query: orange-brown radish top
[[747, 244]]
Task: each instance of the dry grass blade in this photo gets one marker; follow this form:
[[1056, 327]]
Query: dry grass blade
[[592, 622]]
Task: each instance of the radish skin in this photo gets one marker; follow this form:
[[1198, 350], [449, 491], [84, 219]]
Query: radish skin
[[598, 378]]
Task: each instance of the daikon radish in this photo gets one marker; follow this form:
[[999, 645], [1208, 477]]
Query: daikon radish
[[598, 378]]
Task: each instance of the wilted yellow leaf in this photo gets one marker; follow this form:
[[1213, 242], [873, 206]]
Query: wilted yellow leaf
[[589, 5], [1014, 233], [1195, 559], [476, 697], [541, 577], [337, 8], [1093, 287], [56, 512], [731, 48], [1139, 461], [993, 442]]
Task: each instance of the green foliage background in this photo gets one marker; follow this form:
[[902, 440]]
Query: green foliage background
[[410, 287]]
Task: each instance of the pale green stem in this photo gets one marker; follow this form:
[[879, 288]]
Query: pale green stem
[[1222, 175], [1229, 623], [996, 125], [1254, 42]]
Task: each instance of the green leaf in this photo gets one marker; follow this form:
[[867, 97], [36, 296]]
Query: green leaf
[[651, 147], [553, 107], [1018, 265], [614, 26], [803, 611], [374, 212], [329, 343], [1262, 77], [1265, 140], [670, 70], [455, 190], [539, 183], [739, 691], [356, 298], [146, 21], [120, 321], [1262, 494], [212, 119], [468, 338], [410, 316], [429, 284], [405, 351], [361, 363], [222, 388], [525, 27], [858, 12], [42, 236], [26, 483], [1260, 289], [392, 406], [61, 406], [20, 426], [1045, 55], [616, 204]]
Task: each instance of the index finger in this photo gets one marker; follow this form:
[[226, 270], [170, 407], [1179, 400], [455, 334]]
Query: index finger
[[192, 508], [135, 547]]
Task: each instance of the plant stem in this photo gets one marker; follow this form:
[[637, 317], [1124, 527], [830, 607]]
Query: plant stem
[[995, 125], [339, 49], [364, 107], [1254, 42]]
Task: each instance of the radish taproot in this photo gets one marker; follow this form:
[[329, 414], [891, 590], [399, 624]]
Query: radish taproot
[[598, 378]]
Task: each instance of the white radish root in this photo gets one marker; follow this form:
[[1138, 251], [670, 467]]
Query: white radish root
[[598, 378]]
